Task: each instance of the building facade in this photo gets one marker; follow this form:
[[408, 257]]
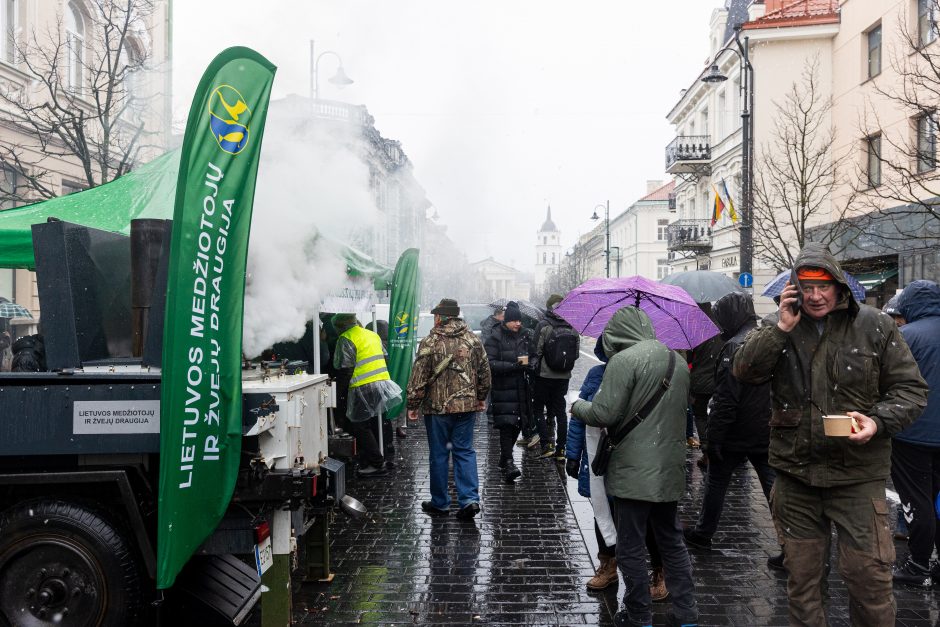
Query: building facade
[[497, 280]]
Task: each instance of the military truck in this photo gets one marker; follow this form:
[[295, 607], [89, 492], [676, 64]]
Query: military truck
[[80, 450]]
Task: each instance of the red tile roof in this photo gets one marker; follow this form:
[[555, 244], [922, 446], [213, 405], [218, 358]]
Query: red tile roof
[[662, 193], [798, 13]]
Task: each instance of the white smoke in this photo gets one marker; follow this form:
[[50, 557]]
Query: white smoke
[[311, 185]]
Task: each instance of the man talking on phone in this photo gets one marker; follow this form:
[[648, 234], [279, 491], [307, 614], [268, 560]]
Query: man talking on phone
[[826, 354]]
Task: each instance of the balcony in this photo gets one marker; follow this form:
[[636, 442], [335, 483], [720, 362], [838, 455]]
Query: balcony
[[688, 154], [689, 235]]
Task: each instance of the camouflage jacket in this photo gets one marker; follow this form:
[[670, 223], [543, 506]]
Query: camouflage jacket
[[450, 374]]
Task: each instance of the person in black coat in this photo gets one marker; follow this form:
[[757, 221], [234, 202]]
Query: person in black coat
[[738, 422], [511, 354]]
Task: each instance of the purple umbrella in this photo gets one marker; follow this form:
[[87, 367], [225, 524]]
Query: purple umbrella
[[677, 320]]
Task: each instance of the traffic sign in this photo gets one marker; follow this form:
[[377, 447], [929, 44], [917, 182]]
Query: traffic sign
[[746, 279]]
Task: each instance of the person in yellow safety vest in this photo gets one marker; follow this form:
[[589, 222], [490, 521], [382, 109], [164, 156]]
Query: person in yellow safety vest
[[359, 359]]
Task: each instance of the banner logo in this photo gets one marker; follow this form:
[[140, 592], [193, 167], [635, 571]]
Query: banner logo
[[228, 119], [402, 324]]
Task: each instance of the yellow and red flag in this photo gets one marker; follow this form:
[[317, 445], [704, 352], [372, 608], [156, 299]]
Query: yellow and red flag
[[719, 207]]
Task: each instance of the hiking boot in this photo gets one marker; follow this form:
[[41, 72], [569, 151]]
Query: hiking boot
[[606, 574], [776, 562], [913, 575], [511, 473], [534, 441], [696, 540], [468, 511], [658, 591], [434, 511]]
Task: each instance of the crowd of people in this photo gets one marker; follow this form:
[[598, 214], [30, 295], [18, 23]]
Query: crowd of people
[[759, 393]]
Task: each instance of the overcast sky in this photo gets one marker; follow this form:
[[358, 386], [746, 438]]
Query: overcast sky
[[503, 106]]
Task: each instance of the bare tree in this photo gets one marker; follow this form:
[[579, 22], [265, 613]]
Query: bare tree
[[571, 273], [797, 177], [79, 105]]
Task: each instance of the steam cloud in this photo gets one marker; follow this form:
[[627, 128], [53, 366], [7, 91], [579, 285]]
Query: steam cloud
[[310, 184]]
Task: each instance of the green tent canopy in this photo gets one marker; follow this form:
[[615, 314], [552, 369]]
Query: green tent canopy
[[147, 192]]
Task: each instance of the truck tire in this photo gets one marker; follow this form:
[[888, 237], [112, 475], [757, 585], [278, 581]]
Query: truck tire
[[66, 564]]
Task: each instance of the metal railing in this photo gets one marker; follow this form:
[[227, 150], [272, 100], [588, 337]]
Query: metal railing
[[688, 148], [694, 235]]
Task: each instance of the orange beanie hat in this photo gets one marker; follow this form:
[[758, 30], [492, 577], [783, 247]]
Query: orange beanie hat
[[809, 273]]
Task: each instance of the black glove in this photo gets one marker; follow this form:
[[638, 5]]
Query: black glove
[[573, 468]]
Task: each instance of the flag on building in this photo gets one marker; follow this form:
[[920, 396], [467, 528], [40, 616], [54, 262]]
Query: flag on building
[[719, 207], [731, 211]]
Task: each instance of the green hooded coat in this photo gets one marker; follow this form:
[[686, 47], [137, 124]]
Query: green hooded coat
[[648, 464], [853, 360]]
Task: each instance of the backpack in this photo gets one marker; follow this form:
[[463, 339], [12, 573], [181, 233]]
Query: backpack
[[561, 348]]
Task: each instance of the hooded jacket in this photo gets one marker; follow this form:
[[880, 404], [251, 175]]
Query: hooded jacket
[[853, 359], [577, 438], [920, 306], [739, 413], [450, 374], [649, 463], [510, 396]]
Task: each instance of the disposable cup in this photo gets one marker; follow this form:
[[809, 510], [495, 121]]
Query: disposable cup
[[524, 360], [839, 425]]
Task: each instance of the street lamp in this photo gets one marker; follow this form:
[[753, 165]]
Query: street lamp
[[339, 79], [747, 141], [606, 230]]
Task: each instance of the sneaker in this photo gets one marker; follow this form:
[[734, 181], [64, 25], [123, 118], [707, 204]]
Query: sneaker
[[523, 442], [696, 540], [372, 471], [434, 511], [547, 452], [913, 575], [658, 591], [534, 441], [468, 511], [776, 562], [511, 473], [693, 442], [560, 455]]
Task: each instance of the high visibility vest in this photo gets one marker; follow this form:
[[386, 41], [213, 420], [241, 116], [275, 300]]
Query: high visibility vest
[[370, 360]]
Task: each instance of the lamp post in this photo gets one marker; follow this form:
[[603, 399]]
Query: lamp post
[[339, 79], [606, 207], [747, 142]]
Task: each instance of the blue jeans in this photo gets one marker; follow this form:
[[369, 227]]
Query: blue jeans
[[456, 429]]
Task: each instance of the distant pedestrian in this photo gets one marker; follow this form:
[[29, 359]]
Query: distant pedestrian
[[360, 359], [449, 383], [491, 322], [511, 354], [915, 451], [826, 354], [557, 349], [646, 473], [738, 430]]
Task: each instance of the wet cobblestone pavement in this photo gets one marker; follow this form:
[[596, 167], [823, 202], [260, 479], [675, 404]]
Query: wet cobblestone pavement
[[524, 560]]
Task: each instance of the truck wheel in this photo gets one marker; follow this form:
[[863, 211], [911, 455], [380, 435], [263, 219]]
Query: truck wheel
[[65, 564]]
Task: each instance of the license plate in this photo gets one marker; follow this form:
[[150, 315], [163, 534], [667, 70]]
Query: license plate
[[264, 556]]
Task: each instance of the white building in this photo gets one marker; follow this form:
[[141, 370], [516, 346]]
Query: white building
[[638, 235], [497, 280], [547, 251]]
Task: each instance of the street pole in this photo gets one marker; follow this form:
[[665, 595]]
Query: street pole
[[747, 161]]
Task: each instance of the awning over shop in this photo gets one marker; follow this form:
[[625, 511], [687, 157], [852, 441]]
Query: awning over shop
[[872, 280]]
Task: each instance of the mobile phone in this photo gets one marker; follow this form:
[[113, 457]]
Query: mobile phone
[[795, 307]]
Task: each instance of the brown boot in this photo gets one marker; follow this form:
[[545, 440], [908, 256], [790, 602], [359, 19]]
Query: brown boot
[[658, 590], [606, 574]]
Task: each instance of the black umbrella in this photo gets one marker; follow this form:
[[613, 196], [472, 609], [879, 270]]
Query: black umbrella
[[528, 309], [704, 286]]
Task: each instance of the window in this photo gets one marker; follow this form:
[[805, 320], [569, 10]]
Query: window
[[661, 226], [722, 114], [69, 187], [553, 259], [75, 47], [926, 22], [873, 158], [8, 185], [544, 257], [662, 269], [874, 51], [926, 142], [7, 30]]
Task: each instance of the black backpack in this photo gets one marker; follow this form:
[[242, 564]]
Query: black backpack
[[561, 349]]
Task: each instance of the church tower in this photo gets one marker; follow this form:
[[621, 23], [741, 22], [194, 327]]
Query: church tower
[[547, 251]]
